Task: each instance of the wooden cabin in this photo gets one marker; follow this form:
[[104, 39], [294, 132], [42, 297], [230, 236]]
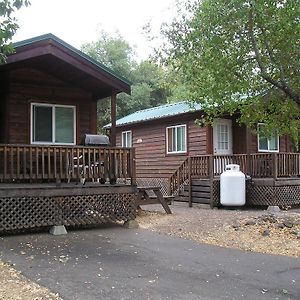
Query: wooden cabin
[[48, 101], [186, 159]]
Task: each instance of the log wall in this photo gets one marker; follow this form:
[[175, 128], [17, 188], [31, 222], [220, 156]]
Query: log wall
[[149, 141], [29, 85]]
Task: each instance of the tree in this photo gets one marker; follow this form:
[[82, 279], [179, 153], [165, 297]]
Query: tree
[[8, 25], [147, 78], [241, 55]]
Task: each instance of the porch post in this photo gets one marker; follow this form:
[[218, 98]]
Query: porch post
[[190, 181], [113, 107], [248, 145], [275, 166]]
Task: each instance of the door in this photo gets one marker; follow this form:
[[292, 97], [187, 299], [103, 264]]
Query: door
[[222, 136]]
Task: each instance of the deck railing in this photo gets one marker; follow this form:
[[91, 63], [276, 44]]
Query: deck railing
[[35, 163], [257, 165]]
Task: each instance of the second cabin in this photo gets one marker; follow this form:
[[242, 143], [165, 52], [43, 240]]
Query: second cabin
[[170, 148]]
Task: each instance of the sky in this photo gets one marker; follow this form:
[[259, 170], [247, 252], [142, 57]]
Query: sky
[[77, 22]]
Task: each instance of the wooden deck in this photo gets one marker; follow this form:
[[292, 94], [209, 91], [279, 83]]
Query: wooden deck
[[42, 186], [274, 178]]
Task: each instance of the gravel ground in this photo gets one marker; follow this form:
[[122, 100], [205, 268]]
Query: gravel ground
[[14, 286], [249, 230]]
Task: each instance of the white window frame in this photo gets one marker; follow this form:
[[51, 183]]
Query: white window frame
[[167, 139], [268, 140], [124, 142], [53, 106]]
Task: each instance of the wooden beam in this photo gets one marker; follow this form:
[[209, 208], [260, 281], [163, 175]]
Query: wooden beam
[[248, 151], [93, 117], [209, 139], [113, 107]]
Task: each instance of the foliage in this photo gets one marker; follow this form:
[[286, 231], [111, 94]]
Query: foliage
[[147, 78], [240, 55], [8, 25]]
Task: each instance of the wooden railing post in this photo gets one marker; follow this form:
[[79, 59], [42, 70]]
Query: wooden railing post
[[211, 178], [190, 180], [133, 166], [248, 164], [211, 166], [275, 165]]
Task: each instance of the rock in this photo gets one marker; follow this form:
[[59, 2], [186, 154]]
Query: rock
[[280, 226], [268, 218], [250, 222], [273, 209], [295, 232], [236, 226], [266, 233], [131, 224], [288, 224]]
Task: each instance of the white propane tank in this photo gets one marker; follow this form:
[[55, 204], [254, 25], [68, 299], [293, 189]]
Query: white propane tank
[[232, 186]]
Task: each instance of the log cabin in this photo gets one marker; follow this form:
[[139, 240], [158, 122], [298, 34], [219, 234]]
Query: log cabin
[[187, 160], [48, 101]]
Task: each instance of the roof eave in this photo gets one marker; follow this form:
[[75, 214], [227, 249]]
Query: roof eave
[[50, 44]]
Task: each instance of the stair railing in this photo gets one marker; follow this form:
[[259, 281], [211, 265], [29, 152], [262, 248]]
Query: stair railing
[[179, 177]]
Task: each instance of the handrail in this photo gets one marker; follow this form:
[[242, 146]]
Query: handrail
[[257, 165], [179, 177], [36, 163]]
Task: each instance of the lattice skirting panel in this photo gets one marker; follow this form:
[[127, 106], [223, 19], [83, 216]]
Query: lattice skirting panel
[[216, 193], [273, 195], [31, 212], [264, 195], [162, 182]]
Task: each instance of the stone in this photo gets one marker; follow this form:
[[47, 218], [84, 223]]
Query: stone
[[58, 230], [295, 232], [131, 224], [250, 222], [273, 208], [280, 226], [268, 218], [266, 232], [288, 224]]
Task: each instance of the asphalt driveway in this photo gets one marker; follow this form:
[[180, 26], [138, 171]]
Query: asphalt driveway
[[119, 263]]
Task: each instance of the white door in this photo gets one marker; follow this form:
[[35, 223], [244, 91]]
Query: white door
[[222, 136]]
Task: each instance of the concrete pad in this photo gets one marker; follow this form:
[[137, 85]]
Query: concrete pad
[[58, 230], [273, 209], [131, 224]]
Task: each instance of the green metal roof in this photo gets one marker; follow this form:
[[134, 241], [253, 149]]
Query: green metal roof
[[73, 49], [159, 112]]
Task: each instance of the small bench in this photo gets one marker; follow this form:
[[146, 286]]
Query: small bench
[[144, 198]]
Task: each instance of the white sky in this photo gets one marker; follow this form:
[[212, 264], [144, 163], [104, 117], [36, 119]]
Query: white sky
[[78, 21]]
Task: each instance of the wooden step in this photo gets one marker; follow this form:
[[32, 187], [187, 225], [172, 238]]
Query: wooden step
[[181, 199]]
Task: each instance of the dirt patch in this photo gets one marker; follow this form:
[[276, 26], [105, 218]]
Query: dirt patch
[[14, 286], [249, 230]]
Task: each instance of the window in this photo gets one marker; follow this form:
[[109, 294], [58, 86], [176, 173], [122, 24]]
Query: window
[[52, 124], [127, 139], [222, 138], [176, 139], [267, 143]]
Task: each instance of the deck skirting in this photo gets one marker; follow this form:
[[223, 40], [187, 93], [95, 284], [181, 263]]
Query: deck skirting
[[265, 192], [37, 207]]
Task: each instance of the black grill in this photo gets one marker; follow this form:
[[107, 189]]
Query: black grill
[[95, 140]]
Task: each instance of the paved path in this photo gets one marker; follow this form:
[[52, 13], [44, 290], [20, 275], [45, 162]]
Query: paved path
[[118, 263]]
